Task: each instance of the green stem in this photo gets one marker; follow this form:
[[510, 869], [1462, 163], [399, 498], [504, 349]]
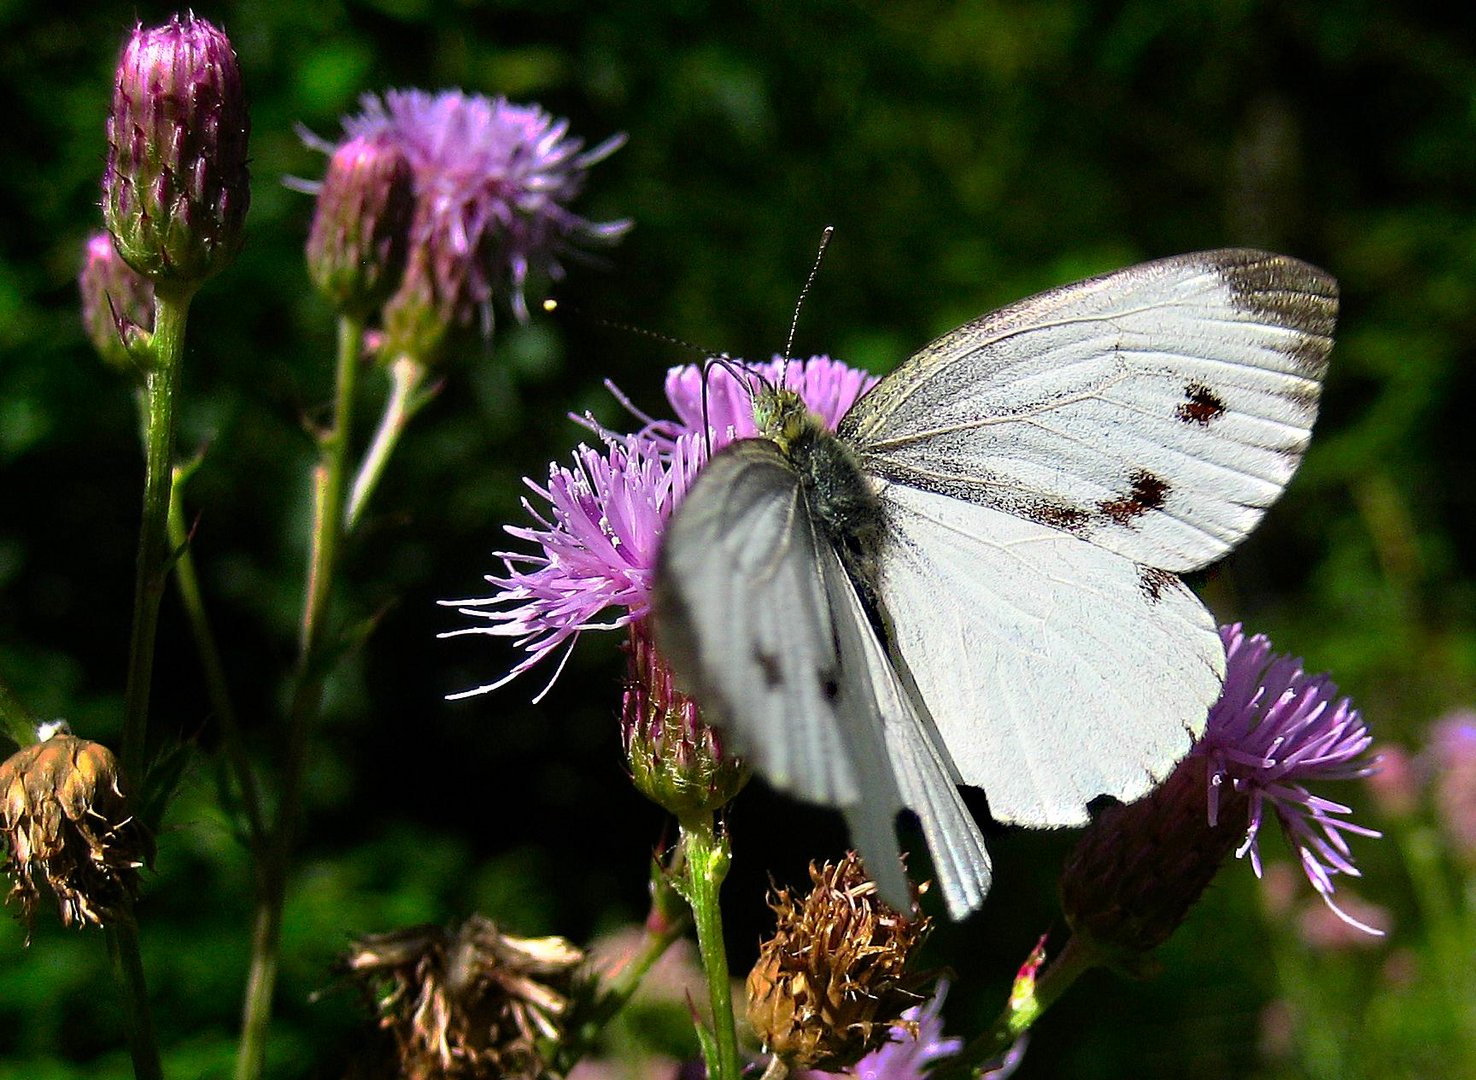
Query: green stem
[[405, 400], [707, 858], [1023, 1010], [161, 386], [18, 721], [274, 858], [128, 967], [187, 581], [620, 989]]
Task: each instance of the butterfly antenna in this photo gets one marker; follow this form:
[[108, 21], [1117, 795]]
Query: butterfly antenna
[[552, 306], [804, 292], [739, 374]]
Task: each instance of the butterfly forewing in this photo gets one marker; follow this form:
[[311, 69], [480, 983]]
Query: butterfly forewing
[[1156, 411], [762, 624]]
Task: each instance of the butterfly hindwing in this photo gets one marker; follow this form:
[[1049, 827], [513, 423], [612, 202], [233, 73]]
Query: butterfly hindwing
[[1055, 670], [1156, 411]]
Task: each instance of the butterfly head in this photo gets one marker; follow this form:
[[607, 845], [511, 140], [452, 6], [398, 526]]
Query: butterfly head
[[781, 415]]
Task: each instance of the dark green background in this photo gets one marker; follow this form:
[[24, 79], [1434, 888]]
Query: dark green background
[[968, 154]]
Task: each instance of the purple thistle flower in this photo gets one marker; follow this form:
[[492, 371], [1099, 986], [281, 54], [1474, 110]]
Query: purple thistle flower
[[1274, 730], [907, 1056], [493, 183], [598, 534]]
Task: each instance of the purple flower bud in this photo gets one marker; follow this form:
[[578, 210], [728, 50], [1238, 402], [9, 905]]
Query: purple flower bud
[[176, 186], [356, 248], [675, 759], [117, 304], [1452, 760]]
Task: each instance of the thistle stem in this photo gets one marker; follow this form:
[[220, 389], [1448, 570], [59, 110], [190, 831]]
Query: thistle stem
[[1023, 1010], [406, 398], [707, 858], [187, 581], [274, 858], [128, 967], [161, 386]]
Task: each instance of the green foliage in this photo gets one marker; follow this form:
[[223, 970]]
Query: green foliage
[[968, 154]]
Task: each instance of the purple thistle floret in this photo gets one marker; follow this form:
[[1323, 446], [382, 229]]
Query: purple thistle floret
[[1274, 730], [493, 180], [906, 1057], [596, 539]]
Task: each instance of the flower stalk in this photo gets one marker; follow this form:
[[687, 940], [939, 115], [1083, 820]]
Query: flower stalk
[[408, 395], [707, 855], [274, 860], [161, 388]]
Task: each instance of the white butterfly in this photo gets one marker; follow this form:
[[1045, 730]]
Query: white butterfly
[[973, 580]]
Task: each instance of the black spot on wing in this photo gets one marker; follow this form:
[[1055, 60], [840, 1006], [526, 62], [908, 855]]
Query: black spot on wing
[[1201, 405], [1153, 581], [830, 685], [1147, 493], [768, 663]]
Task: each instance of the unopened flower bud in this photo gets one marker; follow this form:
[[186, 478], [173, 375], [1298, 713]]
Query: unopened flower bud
[[67, 824], [676, 760], [117, 303], [361, 227], [468, 1002], [832, 984], [176, 186]]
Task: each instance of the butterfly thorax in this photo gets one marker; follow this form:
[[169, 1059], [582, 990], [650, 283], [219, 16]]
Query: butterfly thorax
[[836, 491]]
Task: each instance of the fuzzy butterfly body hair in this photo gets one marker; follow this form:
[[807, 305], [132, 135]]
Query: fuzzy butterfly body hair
[[975, 579]]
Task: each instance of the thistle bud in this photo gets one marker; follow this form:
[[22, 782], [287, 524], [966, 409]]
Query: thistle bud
[[67, 824], [117, 304], [469, 1002], [675, 759], [832, 985], [176, 186], [356, 248], [1139, 868]]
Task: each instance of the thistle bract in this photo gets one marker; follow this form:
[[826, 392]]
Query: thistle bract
[[117, 303], [176, 186], [361, 226]]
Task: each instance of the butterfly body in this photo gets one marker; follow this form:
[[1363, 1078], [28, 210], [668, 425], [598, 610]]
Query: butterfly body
[[974, 579]]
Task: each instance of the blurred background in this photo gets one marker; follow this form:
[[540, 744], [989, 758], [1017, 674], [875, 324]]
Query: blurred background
[[968, 154]]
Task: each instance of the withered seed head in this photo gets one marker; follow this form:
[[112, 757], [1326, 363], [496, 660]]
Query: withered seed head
[[467, 1003], [66, 823], [831, 985]]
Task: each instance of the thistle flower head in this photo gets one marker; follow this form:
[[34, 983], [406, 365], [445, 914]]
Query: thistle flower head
[[67, 824], [675, 759], [493, 184], [595, 538], [1139, 868], [361, 225], [117, 303], [831, 986], [467, 1003], [176, 186]]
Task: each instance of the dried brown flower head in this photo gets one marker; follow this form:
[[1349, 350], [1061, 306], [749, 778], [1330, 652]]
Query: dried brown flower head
[[467, 1003], [831, 985], [67, 823]]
